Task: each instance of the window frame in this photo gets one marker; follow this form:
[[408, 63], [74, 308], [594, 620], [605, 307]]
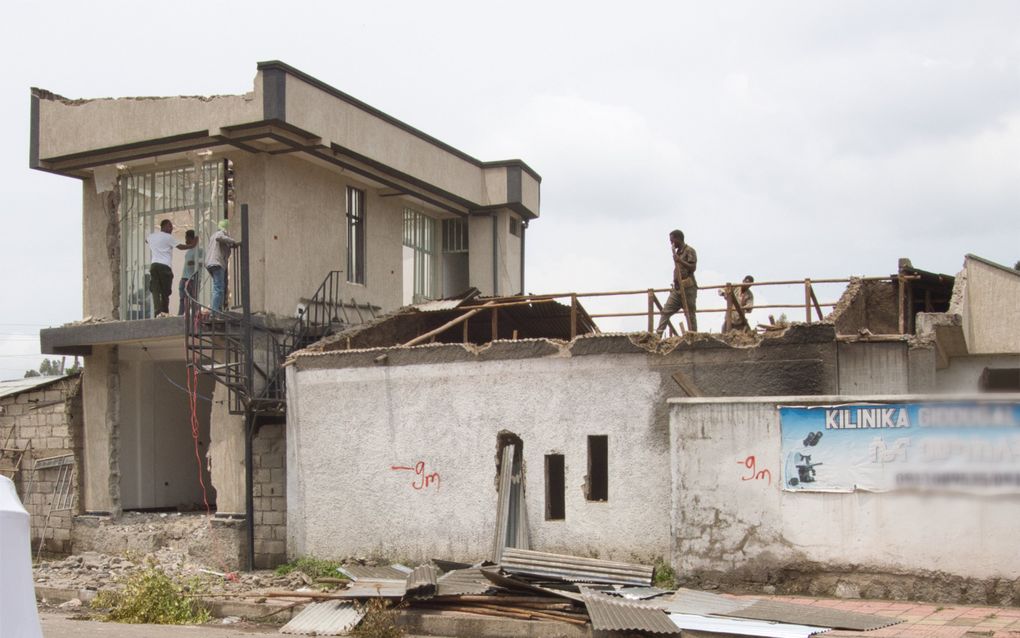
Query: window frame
[[356, 222]]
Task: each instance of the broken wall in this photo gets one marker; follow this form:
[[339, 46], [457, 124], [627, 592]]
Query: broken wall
[[398, 458], [734, 524], [867, 305], [269, 451], [42, 424]]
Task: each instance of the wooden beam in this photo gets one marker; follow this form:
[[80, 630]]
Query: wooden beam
[[443, 328]]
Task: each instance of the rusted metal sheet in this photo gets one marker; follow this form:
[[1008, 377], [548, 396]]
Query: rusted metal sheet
[[421, 583], [574, 569], [511, 583], [329, 618], [610, 613]]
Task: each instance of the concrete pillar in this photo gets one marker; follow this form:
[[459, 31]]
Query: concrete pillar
[[101, 408], [226, 455]]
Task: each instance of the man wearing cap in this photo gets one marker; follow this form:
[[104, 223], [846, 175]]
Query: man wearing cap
[[217, 255], [161, 274]]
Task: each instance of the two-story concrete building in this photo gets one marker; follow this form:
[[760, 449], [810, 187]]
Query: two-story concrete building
[[337, 190]]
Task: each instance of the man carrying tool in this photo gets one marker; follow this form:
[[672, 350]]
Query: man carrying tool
[[684, 290]]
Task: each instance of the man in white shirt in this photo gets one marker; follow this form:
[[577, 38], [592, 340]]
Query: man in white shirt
[[161, 274]]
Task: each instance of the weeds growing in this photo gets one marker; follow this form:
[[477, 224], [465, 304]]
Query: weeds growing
[[151, 596]]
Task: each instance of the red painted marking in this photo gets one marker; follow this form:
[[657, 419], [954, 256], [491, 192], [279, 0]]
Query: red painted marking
[[751, 463], [422, 479]]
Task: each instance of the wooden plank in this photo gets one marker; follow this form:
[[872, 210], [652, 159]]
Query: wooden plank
[[818, 307], [573, 316], [443, 328]]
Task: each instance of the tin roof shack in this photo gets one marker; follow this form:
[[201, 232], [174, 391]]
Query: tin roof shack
[[394, 450], [41, 441]]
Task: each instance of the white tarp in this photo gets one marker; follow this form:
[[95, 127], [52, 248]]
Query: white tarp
[[18, 615]]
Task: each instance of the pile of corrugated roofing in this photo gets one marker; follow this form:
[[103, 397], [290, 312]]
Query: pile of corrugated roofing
[[608, 596]]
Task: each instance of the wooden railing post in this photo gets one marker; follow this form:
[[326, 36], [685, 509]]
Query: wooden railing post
[[807, 300], [495, 324], [573, 315], [651, 309]]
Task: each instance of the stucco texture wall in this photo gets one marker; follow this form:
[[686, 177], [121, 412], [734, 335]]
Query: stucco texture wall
[[992, 310], [349, 429], [732, 524]]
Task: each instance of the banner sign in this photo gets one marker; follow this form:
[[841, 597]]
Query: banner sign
[[971, 447]]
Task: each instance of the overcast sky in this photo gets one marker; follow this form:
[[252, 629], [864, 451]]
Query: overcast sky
[[787, 139]]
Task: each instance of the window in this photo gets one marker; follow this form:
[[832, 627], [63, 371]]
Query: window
[[515, 226], [598, 468], [419, 256], [555, 488], [355, 235], [455, 236], [191, 199]]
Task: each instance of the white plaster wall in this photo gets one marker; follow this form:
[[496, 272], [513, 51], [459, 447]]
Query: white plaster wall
[[723, 522], [963, 373], [97, 268], [530, 192], [992, 316], [77, 126], [480, 252], [348, 427]]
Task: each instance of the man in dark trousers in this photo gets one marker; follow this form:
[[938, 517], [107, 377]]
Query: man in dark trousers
[[684, 290], [161, 274]]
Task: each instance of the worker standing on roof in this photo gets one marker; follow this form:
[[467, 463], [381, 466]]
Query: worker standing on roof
[[684, 290], [217, 255], [734, 319]]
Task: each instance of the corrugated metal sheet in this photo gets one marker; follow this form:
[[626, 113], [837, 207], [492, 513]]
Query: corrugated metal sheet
[[463, 581], [421, 583], [375, 588], [740, 627], [330, 618], [16, 386], [574, 569], [638, 593], [610, 613], [691, 601], [778, 611], [384, 572], [438, 305], [508, 582]]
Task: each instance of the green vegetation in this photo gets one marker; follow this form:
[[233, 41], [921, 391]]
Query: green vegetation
[[313, 567], [380, 620], [664, 576], [151, 596]]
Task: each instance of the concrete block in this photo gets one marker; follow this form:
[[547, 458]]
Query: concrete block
[[279, 503], [53, 395], [280, 533], [273, 518], [278, 476]]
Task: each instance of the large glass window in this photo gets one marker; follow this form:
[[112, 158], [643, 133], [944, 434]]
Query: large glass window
[[419, 256], [193, 199], [355, 235]]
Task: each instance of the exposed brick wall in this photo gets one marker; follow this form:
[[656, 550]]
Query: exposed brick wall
[[269, 453], [44, 423]]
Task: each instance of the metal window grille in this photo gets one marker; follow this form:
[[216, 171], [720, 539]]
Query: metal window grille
[[190, 199], [355, 235], [455, 236], [420, 236]]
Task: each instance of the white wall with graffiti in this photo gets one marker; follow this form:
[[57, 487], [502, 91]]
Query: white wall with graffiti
[[849, 483], [400, 461]]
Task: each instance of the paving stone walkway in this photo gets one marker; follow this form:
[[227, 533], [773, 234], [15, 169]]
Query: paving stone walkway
[[924, 620]]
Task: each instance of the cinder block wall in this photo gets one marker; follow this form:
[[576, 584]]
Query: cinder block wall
[[269, 453], [46, 422]]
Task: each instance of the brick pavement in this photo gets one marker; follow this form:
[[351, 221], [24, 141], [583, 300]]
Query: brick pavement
[[923, 620]]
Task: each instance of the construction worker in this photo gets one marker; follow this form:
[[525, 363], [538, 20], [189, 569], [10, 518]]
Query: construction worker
[[684, 290], [745, 298]]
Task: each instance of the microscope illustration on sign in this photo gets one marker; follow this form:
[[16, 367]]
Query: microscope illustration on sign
[[799, 468]]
